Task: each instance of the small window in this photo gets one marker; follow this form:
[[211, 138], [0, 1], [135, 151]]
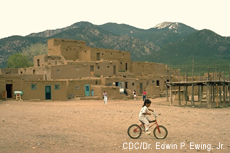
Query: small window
[[153, 81], [111, 53], [56, 86], [33, 86], [91, 68], [120, 62], [77, 87], [98, 67], [58, 70], [107, 66], [102, 53], [132, 84]]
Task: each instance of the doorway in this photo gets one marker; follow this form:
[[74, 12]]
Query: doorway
[[9, 89], [141, 87], [48, 92], [87, 90]]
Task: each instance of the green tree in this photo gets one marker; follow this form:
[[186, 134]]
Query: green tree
[[34, 50], [18, 60]]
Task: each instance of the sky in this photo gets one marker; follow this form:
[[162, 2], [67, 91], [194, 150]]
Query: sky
[[23, 17]]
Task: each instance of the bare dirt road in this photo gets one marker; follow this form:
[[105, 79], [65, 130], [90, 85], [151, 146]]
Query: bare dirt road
[[91, 126]]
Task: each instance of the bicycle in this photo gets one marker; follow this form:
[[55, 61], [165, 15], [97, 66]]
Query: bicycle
[[160, 132]]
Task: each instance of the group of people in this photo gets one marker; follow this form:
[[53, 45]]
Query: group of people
[[135, 95]]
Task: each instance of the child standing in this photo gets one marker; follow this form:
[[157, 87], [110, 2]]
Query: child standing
[[142, 115], [105, 97], [134, 95]]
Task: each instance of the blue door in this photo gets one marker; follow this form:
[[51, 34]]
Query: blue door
[[48, 92], [87, 90]]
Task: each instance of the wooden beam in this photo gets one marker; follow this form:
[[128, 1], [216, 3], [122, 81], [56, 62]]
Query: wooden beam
[[179, 96]]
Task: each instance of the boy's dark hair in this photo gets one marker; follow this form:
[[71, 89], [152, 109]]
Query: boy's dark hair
[[147, 101]]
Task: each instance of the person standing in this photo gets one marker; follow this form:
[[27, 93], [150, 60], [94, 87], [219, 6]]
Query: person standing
[[105, 97], [134, 95], [144, 95]]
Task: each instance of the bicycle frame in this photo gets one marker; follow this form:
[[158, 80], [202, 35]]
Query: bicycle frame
[[155, 123]]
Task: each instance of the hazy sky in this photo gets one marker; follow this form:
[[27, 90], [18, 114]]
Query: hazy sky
[[22, 17]]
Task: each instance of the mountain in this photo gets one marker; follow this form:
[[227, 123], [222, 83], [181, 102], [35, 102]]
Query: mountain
[[207, 48], [172, 43]]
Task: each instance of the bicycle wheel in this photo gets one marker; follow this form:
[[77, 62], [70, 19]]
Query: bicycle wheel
[[134, 131], [161, 133]]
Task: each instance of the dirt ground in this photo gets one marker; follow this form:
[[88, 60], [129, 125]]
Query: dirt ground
[[90, 126]]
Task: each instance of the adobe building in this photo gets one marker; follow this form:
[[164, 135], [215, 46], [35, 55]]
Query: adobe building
[[72, 68]]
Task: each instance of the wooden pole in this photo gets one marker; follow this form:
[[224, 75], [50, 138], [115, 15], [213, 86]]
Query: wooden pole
[[166, 83], [170, 86], [208, 95], [179, 96], [217, 101], [200, 97], [224, 104]]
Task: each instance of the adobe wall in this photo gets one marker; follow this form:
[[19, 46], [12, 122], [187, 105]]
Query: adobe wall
[[77, 87], [40, 60], [152, 91], [67, 48], [159, 69], [108, 54], [109, 81], [84, 55], [39, 92], [8, 71], [73, 70], [112, 92], [143, 68]]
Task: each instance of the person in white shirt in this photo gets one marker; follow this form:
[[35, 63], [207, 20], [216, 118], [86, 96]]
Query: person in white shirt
[[134, 95], [142, 115], [105, 97]]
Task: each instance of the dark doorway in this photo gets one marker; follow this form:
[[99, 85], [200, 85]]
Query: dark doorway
[[126, 85], [141, 87], [48, 92], [114, 69], [98, 57], [9, 90]]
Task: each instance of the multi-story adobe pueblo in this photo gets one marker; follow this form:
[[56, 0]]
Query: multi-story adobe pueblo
[[72, 68]]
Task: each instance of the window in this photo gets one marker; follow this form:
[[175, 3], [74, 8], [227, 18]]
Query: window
[[58, 70], [98, 67], [153, 81], [120, 62], [38, 62], [91, 68], [56, 86], [107, 66], [33, 86], [132, 84], [33, 71]]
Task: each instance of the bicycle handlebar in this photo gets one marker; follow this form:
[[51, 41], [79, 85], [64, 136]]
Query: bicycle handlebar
[[155, 114]]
